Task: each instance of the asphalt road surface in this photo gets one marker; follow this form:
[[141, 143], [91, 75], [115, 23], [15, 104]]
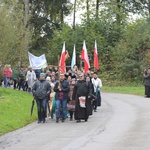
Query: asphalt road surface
[[121, 123]]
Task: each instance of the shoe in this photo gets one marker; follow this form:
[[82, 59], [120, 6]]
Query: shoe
[[95, 110], [71, 119], [39, 121], [43, 120], [147, 96], [78, 121], [57, 120], [86, 120], [63, 120]]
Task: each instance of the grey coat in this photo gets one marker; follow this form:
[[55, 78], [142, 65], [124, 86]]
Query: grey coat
[[41, 89], [147, 79]]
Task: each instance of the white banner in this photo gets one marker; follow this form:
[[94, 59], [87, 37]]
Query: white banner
[[37, 62]]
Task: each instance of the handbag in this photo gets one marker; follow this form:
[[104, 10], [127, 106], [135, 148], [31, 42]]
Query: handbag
[[71, 105], [82, 100]]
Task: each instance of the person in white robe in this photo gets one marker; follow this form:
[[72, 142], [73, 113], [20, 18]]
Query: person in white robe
[[30, 78]]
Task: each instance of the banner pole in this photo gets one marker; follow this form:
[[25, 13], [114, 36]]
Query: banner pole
[[58, 71]]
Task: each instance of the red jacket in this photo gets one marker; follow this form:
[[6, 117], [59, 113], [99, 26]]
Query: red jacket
[[7, 72]]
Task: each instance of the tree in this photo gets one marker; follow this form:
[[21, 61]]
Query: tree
[[45, 17], [74, 13], [12, 45], [97, 9], [132, 51]]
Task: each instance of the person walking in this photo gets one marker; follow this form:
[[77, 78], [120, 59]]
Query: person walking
[[30, 78], [97, 83], [1, 75], [71, 111], [22, 76], [41, 90], [7, 72], [89, 100], [15, 76], [61, 88], [147, 82], [81, 93]]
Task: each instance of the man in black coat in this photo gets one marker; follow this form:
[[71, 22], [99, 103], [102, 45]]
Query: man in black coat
[[82, 90], [41, 91]]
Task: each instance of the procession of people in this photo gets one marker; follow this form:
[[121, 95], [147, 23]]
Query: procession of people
[[73, 94], [69, 95]]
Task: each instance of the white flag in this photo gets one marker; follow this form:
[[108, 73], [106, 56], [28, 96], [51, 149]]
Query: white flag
[[37, 62], [73, 61]]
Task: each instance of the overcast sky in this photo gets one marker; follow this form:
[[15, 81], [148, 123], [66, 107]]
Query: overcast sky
[[69, 19]]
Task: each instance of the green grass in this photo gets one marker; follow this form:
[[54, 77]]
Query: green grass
[[15, 110], [135, 90]]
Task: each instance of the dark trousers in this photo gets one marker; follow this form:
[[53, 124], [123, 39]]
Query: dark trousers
[[26, 86], [42, 106], [1, 80], [21, 84], [147, 91], [15, 83], [71, 113], [94, 104]]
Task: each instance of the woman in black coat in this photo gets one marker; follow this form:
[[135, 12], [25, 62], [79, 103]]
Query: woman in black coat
[[82, 88], [92, 96], [147, 83]]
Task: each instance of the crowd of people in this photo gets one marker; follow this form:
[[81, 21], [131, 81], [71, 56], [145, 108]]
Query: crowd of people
[[74, 94], [79, 90]]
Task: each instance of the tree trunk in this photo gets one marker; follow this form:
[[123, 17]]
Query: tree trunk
[[149, 7], [61, 13], [26, 17], [97, 9], [26, 9], [87, 9], [74, 14], [118, 18]]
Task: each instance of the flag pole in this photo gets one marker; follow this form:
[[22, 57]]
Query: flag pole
[[58, 71]]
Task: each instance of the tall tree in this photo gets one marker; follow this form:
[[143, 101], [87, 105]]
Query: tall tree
[[46, 16], [97, 8], [12, 29], [26, 17], [87, 10], [74, 14]]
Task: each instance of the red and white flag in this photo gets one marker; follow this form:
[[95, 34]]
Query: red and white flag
[[96, 64], [62, 63], [84, 56]]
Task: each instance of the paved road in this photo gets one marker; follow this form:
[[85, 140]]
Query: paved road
[[121, 123]]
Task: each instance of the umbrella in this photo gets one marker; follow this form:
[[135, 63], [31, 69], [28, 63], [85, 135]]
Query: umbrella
[[98, 96], [49, 108], [97, 89], [32, 106]]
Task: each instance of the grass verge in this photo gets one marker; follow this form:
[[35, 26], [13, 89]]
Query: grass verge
[[15, 110], [135, 90]]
